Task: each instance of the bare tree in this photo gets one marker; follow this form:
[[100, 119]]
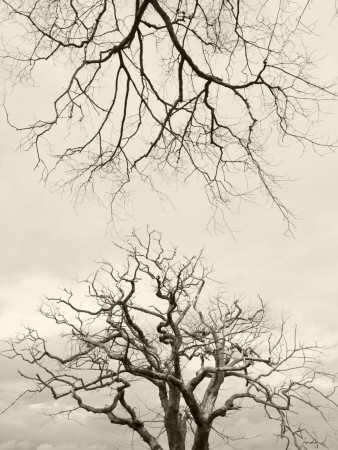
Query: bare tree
[[199, 362], [169, 90]]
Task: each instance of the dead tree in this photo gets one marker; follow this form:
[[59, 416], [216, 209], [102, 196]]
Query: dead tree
[[168, 90], [200, 362]]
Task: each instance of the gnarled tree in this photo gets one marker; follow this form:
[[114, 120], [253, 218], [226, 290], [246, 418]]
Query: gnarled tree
[[168, 89], [203, 361]]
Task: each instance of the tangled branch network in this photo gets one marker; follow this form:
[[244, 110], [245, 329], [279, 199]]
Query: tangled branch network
[[169, 90]]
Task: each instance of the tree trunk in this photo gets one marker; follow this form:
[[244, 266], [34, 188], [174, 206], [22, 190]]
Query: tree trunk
[[176, 438], [175, 428], [201, 439]]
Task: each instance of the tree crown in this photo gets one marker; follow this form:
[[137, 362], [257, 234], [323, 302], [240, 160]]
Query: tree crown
[[170, 91], [202, 360]]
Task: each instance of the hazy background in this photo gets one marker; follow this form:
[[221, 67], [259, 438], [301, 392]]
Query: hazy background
[[45, 243]]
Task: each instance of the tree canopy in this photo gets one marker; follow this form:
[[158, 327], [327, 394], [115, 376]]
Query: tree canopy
[[153, 326], [169, 90]]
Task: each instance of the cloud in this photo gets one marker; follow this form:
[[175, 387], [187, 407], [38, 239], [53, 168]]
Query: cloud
[[26, 445], [40, 233], [40, 432], [72, 447], [15, 445]]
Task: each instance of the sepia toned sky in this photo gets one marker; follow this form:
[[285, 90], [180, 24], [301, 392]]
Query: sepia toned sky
[[46, 243]]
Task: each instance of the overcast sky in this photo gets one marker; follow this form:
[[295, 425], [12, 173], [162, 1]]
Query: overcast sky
[[46, 243]]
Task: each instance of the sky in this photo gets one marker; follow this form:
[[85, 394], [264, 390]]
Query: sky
[[46, 243]]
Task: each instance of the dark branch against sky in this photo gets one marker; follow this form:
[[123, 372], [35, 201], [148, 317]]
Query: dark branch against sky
[[171, 92]]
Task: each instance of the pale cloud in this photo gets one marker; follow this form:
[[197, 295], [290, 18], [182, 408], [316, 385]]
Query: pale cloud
[[40, 233], [16, 445], [26, 445], [29, 423], [72, 447]]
